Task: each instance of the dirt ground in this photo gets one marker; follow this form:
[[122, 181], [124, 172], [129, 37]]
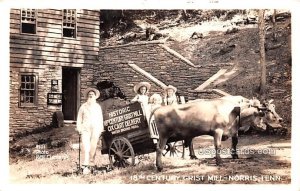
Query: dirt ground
[[263, 160]]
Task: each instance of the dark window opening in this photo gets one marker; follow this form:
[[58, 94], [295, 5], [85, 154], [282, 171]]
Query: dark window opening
[[69, 33], [28, 28], [69, 23], [28, 21]]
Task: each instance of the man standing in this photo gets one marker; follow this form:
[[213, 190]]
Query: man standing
[[90, 126]]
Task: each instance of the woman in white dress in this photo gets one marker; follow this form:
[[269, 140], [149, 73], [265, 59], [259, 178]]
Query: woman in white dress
[[142, 89], [170, 96]]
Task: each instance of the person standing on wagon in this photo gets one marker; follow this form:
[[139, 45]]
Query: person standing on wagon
[[170, 97], [141, 89], [90, 126]]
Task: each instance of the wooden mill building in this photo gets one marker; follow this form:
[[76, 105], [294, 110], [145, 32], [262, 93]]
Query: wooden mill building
[[52, 56], [55, 54]]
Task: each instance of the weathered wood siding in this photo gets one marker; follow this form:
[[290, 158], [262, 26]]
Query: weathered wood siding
[[49, 46], [44, 54]]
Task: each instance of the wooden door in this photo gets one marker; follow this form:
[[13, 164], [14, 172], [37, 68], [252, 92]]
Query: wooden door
[[70, 89]]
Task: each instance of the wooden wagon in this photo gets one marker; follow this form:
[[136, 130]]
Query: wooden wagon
[[127, 134]]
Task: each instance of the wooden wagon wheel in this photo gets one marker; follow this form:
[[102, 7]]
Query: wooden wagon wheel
[[174, 148], [121, 153]]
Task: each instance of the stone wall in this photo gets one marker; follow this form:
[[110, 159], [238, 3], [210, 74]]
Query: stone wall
[[156, 59], [204, 94], [113, 65], [27, 119], [24, 119], [87, 79], [123, 76]]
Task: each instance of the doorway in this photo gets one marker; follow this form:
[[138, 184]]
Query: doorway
[[70, 90]]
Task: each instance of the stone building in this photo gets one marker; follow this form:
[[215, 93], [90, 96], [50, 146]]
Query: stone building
[[55, 55], [52, 56]]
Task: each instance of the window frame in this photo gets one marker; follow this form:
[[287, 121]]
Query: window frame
[[35, 95], [62, 24], [21, 22]]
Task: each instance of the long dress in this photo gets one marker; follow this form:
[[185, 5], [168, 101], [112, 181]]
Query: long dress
[[172, 100], [143, 99]]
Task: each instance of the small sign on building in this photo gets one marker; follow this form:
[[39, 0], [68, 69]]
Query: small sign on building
[[54, 85], [54, 98]]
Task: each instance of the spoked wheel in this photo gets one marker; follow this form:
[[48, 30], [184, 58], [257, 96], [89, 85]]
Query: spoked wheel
[[174, 149], [121, 153]]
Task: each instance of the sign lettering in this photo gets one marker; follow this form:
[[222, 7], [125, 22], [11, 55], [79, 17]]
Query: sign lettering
[[124, 119]]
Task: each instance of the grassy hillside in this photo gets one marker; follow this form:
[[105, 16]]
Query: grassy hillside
[[216, 36]]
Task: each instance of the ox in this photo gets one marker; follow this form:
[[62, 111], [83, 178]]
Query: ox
[[271, 118], [219, 118]]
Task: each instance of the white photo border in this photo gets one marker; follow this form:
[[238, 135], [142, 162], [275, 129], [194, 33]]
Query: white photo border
[[293, 5]]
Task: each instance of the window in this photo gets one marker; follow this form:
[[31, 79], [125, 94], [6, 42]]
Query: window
[[28, 21], [69, 23], [28, 92]]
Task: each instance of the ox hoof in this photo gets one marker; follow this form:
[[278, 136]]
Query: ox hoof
[[235, 156], [159, 169], [193, 157], [219, 162]]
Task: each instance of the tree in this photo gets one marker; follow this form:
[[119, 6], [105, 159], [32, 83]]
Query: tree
[[274, 36], [261, 27]]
